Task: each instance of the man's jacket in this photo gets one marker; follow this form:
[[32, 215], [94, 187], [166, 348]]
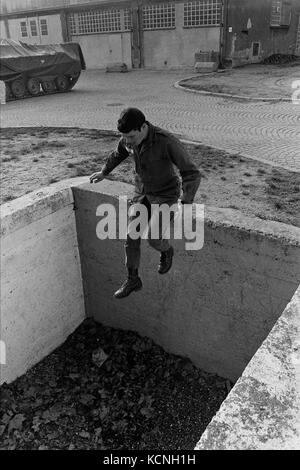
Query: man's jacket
[[155, 162]]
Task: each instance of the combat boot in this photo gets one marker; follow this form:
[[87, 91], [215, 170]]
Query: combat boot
[[166, 258], [132, 283]]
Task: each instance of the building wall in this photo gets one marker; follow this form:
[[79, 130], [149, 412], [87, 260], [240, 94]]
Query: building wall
[[54, 28], [257, 14], [177, 47], [101, 50], [16, 6], [155, 48], [3, 30]]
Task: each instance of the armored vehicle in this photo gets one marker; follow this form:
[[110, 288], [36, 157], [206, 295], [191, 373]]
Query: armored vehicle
[[34, 70]]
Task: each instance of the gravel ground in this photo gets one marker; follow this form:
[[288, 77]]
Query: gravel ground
[[109, 389]]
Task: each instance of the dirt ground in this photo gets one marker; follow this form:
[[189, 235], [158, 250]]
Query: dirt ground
[[35, 157], [255, 81], [139, 398]]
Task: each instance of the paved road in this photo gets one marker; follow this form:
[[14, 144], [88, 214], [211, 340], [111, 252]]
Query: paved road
[[264, 131]]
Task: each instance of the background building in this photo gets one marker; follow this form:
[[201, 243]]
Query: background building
[[157, 33]]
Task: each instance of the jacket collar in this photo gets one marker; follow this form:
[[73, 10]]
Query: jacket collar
[[150, 139]]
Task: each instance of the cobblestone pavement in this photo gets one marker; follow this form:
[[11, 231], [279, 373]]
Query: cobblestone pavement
[[266, 131]]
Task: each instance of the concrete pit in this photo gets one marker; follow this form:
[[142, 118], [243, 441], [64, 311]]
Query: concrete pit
[[230, 308]]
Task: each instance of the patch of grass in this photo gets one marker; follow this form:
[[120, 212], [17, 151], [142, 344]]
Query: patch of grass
[[6, 159], [82, 171], [7, 198]]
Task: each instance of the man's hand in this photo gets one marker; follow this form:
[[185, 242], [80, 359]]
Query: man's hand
[[96, 177]]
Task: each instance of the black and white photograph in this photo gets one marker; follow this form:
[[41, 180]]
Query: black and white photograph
[[150, 228]]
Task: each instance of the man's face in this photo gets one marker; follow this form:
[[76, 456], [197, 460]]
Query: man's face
[[134, 137]]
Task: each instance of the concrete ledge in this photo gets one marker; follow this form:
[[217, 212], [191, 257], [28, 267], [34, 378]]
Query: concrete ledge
[[204, 67], [262, 411], [178, 85], [41, 286]]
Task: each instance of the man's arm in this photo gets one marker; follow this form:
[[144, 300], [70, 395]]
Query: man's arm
[[189, 172], [114, 159]]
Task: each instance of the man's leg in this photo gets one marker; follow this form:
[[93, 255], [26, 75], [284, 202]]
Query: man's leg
[[132, 260], [162, 244]]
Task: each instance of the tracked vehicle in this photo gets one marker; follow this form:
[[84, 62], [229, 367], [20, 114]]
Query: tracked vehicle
[[33, 70]]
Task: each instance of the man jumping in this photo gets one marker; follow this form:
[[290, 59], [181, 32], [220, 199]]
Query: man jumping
[[156, 154]]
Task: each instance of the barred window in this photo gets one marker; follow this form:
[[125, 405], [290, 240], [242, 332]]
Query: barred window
[[280, 13], [94, 21], [72, 24], [298, 39], [24, 33], [33, 28], [44, 27], [159, 16], [202, 13], [127, 20]]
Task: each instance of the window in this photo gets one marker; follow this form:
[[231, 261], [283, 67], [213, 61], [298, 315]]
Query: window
[[95, 21], [127, 20], [24, 33], [280, 14], [202, 13], [33, 28], [44, 27], [159, 16]]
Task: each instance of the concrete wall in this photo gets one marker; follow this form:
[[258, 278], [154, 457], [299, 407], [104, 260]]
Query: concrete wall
[[178, 46], [41, 288], [216, 305], [100, 50], [3, 30], [272, 40], [262, 411]]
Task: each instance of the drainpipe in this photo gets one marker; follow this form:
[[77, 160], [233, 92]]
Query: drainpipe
[[223, 30], [5, 21]]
